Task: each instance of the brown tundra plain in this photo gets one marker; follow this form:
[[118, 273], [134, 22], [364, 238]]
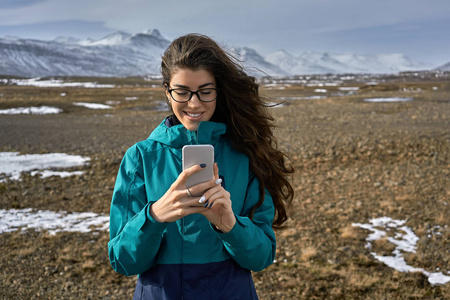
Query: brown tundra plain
[[370, 218]]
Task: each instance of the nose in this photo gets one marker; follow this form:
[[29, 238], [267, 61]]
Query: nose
[[194, 101]]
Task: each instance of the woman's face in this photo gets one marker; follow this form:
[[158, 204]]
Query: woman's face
[[194, 111]]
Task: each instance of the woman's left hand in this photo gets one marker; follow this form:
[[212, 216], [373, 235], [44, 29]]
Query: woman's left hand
[[218, 208]]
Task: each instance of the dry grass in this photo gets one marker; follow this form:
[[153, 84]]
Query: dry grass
[[308, 253], [349, 232], [354, 161]]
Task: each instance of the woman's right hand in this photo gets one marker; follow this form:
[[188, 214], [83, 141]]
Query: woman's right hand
[[176, 202]]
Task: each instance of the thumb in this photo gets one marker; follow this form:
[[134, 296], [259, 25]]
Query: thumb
[[216, 171], [190, 171]]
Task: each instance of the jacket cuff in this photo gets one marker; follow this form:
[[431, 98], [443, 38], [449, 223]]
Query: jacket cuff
[[148, 219], [236, 233]]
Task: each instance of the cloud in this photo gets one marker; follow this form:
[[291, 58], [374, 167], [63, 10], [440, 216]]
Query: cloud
[[6, 4], [304, 15], [303, 24], [62, 10]]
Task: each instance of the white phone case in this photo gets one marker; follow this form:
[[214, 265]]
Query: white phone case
[[196, 155]]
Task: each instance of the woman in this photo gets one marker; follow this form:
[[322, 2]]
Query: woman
[[186, 247]]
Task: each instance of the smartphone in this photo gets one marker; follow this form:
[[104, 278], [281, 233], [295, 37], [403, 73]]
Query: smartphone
[[196, 155]]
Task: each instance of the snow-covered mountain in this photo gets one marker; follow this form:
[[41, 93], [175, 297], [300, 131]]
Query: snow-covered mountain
[[124, 54], [118, 54], [255, 64], [319, 63], [445, 67]]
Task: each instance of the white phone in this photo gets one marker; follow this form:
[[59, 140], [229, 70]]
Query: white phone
[[196, 155]]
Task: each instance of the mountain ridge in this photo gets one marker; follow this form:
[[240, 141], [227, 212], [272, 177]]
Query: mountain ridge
[[124, 54]]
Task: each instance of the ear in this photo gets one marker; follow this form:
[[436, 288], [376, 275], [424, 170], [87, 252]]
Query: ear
[[166, 90], [168, 98]]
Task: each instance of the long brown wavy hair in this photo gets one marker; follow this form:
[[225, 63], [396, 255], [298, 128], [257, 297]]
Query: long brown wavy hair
[[240, 106]]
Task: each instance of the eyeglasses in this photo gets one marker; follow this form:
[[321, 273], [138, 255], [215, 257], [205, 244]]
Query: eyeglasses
[[184, 95]]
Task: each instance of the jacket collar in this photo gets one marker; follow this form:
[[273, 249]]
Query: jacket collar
[[176, 136]]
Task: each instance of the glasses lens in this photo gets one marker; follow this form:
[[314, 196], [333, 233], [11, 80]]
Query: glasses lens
[[207, 94], [180, 95], [183, 95]]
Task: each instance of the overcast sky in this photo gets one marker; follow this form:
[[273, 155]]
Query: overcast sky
[[417, 28]]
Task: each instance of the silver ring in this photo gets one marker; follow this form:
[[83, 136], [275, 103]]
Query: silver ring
[[188, 192]]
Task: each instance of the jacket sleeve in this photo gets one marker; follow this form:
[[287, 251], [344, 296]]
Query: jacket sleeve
[[135, 237], [252, 243]]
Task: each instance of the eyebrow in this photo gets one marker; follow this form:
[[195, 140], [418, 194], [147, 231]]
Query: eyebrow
[[200, 87]]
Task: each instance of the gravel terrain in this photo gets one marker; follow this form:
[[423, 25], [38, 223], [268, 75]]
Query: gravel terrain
[[355, 161]]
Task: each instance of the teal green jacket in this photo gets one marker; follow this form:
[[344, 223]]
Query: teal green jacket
[[138, 243]]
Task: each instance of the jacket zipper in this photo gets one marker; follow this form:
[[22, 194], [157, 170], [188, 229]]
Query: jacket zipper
[[196, 137], [195, 140], [182, 257]]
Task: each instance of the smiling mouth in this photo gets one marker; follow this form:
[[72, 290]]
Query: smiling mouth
[[193, 115]]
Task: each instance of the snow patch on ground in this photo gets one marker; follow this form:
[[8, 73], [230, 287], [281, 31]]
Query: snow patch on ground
[[92, 105], [41, 110], [53, 222], [348, 88], [55, 83], [393, 99], [300, 98], [405, 241], [12, 164]]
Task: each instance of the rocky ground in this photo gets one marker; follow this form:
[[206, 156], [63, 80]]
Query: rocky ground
[[355, 161]]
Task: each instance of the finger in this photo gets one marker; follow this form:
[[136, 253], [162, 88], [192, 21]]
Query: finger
[[214, 194], [202, 187], [217, 203], [186, 201], [222, 196], [216, 171], [195, 203], [192, 210], [189, 172], [206, 192]]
